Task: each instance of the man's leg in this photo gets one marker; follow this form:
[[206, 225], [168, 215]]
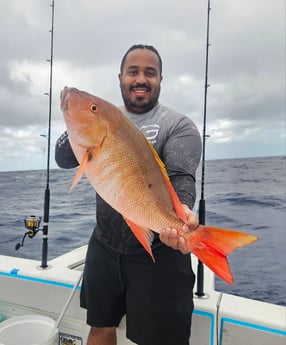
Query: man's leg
[[102, 293], [102, 336], [159, 297]]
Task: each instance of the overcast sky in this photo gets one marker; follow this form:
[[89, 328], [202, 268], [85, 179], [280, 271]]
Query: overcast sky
[[246, 97]]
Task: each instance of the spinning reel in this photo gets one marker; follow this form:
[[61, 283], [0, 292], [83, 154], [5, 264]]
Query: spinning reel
[[32, 224]]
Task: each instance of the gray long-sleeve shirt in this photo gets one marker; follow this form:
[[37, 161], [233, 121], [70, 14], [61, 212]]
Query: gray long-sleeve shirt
[[177, 141]]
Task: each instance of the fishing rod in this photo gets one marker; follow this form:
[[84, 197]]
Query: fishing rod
[[47, 190], [32, 222], [202, 204]]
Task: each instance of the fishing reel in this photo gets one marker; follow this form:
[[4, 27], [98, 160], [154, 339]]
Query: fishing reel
[[32, 224]]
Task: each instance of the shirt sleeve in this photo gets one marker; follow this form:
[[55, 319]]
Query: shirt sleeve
[[181, 155], [64, 155]]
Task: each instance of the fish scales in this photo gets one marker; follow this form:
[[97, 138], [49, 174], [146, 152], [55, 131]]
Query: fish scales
[[125, 170], [132, 183]]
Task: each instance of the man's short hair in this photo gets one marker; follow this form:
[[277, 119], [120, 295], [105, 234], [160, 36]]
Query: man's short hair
[[141, 46]]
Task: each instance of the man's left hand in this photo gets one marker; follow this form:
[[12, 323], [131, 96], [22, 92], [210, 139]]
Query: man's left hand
[[170, 236]]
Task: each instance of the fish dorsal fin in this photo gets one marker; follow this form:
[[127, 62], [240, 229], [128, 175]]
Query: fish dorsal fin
[[143, 235], [176, 201], [80, 170], [178, 207]]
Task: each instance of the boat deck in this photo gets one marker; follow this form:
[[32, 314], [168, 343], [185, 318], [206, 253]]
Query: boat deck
[[218, 318]]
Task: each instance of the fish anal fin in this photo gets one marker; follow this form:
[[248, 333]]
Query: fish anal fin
[[178, 207], [212, 245], [143, 235]]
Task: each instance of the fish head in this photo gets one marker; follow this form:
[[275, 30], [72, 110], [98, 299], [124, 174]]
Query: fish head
[[88, 118]]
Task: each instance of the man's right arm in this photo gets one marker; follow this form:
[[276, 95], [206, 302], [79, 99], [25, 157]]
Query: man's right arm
[[64, 155]]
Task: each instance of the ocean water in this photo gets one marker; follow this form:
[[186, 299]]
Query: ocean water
[[246, 194]]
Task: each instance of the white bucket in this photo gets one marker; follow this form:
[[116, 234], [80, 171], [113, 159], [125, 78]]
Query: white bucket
[[28, 330]]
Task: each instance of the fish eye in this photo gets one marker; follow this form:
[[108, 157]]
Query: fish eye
[[94, 108]]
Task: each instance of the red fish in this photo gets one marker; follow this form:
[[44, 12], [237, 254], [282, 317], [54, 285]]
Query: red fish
[[126, 171]]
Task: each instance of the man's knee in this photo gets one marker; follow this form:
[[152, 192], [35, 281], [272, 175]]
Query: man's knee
[[102, 336]]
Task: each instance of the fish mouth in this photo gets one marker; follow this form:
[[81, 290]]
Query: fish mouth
[[64, 98], [66, 93]]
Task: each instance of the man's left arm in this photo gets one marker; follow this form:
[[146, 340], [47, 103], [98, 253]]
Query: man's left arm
[[181, 155]]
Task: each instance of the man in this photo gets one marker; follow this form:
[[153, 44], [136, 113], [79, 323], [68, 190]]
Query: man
[[120, 278]]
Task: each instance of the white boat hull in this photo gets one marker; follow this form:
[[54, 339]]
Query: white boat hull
[[218, 319]]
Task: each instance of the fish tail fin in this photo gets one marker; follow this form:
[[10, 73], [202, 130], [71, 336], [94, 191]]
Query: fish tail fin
[[212, 245]]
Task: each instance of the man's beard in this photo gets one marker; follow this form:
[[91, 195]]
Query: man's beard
[[143, 107]]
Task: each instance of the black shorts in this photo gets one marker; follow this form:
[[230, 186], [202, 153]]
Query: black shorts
[[157, 298]]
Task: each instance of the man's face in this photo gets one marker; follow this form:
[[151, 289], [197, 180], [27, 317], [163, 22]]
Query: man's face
[[140, 81]]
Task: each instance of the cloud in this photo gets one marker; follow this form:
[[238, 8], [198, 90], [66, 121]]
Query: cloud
[[246, 97]]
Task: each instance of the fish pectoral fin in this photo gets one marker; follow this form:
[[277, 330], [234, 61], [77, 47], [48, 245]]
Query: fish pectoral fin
[[80, 170], [178, 207], [143, 235]]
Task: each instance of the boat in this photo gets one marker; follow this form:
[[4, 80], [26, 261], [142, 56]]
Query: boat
[[218, 318], [32, 292]]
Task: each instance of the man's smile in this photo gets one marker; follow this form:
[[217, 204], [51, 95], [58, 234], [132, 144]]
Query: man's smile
[[140, 90]]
